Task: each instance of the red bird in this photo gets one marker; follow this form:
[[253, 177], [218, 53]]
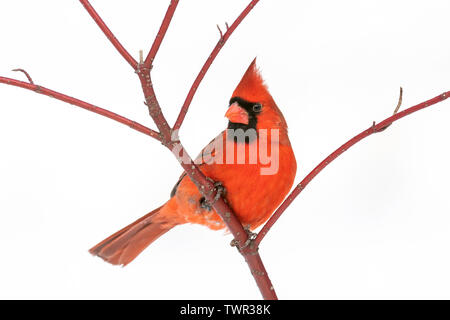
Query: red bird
[[255, 179]]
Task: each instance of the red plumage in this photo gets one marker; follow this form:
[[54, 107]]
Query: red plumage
[[252, 195]]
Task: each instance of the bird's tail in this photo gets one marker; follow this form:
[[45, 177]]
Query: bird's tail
[[126, 244]]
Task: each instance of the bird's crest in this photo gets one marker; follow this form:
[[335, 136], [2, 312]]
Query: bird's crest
[[252, 87]]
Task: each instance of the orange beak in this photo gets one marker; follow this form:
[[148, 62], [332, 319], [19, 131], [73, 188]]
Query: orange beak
[[236, 114]]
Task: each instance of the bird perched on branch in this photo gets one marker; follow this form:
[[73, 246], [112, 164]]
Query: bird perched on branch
[[252, 159]]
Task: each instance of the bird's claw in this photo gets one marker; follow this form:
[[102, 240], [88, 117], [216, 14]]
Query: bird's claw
[[220, 191], [249, 242], [251, 237]]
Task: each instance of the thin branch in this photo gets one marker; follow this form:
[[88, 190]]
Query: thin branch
[[26, 74], [400, 100], [223, 39], [109, 34], [79, 103], [373, 129], [141, 57], [161, 33], [220, 31]]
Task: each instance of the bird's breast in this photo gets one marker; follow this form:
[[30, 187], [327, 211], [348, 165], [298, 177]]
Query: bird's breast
[[255, 185]]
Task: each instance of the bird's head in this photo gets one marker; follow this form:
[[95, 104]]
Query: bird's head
[[252, 106]]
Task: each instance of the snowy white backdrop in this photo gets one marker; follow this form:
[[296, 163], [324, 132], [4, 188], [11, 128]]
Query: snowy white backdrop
[[374, 224]]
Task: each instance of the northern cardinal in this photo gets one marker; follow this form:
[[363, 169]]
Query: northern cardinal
[[253, 190]]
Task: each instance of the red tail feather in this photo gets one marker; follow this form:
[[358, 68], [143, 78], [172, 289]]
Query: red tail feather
[[126, 244]]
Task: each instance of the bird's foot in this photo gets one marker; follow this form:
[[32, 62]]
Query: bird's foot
[[218, 188], [248, 243], [219, 192], [204, 204]]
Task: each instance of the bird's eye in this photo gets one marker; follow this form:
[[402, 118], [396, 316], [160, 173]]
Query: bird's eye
[[257, 107]]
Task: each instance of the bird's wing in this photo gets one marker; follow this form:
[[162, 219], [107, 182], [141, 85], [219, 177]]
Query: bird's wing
[[207, 152]]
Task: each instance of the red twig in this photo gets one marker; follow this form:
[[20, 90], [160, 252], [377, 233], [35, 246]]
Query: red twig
[[79, 103], [221, 33], [109, 34], [26, 74], [209, 61], [373, 129], [161, 33]]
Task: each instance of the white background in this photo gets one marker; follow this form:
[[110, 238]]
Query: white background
[[374, 224]]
